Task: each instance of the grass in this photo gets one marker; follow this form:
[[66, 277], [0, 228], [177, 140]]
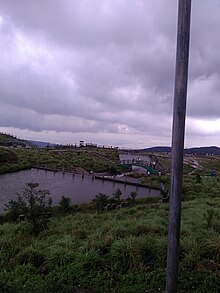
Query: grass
[[97, 160]]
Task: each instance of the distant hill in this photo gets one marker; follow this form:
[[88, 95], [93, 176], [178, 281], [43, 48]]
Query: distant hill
[[212, 150], [10, 140], [41, 144], [159, 149]]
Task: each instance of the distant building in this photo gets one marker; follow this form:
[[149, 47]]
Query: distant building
[[81, 143], [91, 145]]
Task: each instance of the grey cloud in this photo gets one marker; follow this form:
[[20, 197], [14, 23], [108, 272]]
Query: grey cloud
[[78, 22], [204, 97], [105, 67]]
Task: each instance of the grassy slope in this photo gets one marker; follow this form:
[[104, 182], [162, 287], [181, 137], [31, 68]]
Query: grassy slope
[[6, 139], [97, 160], [117, 251]]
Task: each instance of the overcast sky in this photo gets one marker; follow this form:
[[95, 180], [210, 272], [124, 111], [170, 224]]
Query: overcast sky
[[103, 71]]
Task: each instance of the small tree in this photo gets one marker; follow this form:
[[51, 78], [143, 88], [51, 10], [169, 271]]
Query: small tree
[[117, 194], [65, 203], [133, 195], [101, 201], [34, 203]]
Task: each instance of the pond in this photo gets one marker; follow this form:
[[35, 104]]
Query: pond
[[80, 189]]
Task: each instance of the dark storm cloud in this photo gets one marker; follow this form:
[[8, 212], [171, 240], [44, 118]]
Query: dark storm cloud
[[86, 23], [104, 66]]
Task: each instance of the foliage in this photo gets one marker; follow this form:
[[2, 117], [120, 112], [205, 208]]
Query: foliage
[[97, 159], [117, 194], [133, 195], [8, 156], [65, 203], [14, 208], [34, 204], [101, 201]]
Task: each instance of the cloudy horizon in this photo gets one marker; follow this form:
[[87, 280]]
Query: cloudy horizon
[[103, 71]]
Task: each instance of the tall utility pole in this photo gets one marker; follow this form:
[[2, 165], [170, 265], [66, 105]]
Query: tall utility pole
[[179, 113]]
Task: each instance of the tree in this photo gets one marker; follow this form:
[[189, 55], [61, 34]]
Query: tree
[[133, 195], [34, 203], [101, 200], [65, 203], [117, 194]]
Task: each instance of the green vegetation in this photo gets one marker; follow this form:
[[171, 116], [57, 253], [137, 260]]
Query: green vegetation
[[82, 160], [65, 203], [133, 195], [116, 251], [10, 161], [14, 156], [33, 204], [117, 195], [10, 140]]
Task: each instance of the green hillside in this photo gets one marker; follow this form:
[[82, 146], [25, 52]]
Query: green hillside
[[10, 140], [98, 160]]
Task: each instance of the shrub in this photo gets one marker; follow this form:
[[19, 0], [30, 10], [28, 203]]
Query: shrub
[[65, 203], [117, 194]]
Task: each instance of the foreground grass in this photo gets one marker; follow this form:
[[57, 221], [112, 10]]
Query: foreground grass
[[116, 251]]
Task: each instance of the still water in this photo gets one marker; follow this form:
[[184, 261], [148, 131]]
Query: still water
[[80, 190]]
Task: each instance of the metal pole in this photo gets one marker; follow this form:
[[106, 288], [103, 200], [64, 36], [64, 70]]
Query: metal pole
[[179, 113]]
